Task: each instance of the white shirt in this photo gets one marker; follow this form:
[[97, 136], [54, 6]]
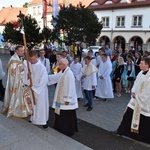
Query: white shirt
[[46, 63]]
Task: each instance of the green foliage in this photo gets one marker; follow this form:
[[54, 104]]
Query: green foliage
[[47, 34], [25, 5], [11, 35], [31, 29], [77, 24]]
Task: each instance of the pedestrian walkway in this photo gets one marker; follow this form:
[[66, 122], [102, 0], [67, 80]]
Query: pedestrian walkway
[[19, 134], [93, 128]]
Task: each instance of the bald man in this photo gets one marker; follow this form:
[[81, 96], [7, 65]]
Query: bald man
[[65, 99]]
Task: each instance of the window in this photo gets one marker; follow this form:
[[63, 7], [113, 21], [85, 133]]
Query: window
[[34, 10], [137, 21], [105, 21], [120, 21], [39, 10]]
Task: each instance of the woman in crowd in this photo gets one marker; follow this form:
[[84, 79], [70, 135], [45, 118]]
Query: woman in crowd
[[130, 74], [118, 74]]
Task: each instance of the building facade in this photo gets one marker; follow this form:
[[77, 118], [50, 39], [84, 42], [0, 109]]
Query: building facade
[[35, 8], [125, 23], [9, 14]]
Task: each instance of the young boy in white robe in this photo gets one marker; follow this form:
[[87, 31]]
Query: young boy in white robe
[[44, 61], [99, 57], [89, 82], [104, 88], [40, 79], [76, 68]]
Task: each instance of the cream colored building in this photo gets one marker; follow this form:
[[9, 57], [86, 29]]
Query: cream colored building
[[125, 23]]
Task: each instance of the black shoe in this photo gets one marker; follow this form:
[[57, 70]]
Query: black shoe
[[89, 108], [29, 121], [116, 133], [105, 99], [45, 127], [86, 105]]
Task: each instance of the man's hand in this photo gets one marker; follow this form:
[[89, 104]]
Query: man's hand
[[83, 76], [101, 77], [133, 95], [66, 103], [93, 86]]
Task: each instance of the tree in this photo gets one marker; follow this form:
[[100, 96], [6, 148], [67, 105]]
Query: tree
[[77, 24], [25, 5], [32, 31], [47, 34]]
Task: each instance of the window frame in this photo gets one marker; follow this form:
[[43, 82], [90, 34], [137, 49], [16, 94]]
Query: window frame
[[106, 17], [137, 21], [120, 24]]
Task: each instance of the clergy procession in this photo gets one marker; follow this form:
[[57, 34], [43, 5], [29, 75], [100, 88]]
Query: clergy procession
[[100, 76]]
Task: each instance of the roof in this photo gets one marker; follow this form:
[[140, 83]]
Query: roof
[[10, 14], [73, 2], [117, 4]]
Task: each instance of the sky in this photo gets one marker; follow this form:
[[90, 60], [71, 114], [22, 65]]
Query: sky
[[15, 3]]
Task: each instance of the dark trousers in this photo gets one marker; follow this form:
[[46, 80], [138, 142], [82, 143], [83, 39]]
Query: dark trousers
[[89, 96], [2, 89]]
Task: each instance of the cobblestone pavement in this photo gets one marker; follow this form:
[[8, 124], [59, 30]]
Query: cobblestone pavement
[[106, 115]]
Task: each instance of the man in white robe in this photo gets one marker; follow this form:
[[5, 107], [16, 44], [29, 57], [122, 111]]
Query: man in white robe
[[17, 100], [93, 59], [44, 61], [65, 99], [136, 119], [104, 88], [89, 82], [99, 57], [76, 68], [39, 78]]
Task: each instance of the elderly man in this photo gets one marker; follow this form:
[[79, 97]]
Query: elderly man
[[17, 100], [65, 99]]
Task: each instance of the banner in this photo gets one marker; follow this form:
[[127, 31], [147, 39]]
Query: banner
[[55, 7], [44, 15]]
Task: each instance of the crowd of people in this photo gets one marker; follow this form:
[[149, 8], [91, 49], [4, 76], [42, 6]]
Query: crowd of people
[[78, 75]]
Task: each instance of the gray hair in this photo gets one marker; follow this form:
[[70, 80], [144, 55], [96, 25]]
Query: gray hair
[[64, 61]]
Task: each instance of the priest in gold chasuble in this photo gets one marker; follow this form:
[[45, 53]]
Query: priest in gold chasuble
[[17, 100]]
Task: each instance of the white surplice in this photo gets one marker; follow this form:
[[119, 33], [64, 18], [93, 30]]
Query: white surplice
[[41, 109], [99, 60], [94, 62], [104, 87], [141, 88], [68, 93], [46, 63], [2, 73], [90, 79], [76, 68]]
